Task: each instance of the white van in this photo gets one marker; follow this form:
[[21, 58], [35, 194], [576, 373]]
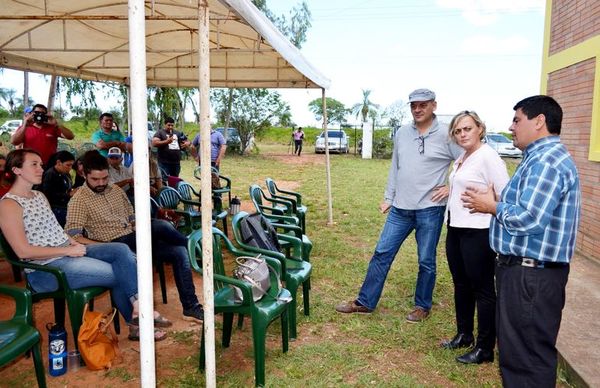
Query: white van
[[10, 126]]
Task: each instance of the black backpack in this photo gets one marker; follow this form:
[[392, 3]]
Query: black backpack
[[258, 232]]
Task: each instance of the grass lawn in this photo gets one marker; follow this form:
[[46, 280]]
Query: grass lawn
[[333, 349]]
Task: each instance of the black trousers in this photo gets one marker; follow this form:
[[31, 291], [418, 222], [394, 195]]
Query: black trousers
[[297, 147], [472, 264], [529, 310]]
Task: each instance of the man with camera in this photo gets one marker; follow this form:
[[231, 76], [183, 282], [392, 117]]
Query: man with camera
[[40, 131]]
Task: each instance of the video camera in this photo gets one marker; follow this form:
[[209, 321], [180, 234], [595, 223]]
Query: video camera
[[40, 117]]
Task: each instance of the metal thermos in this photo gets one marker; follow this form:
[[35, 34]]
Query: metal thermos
[[57, 349], [234, 206]]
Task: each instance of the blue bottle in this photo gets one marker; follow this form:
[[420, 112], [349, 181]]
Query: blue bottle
[[57, 349]]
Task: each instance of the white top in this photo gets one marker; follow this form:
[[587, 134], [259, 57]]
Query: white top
[[41, 227], [482, 168]]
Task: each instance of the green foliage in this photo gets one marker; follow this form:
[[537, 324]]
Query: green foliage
[[383, 146], [294, 26], [365, 107], [336, 111], [396, 113], [162, 103], [252, 112], [85, 90]]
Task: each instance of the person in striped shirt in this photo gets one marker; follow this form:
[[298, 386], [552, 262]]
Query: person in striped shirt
[[533, 231]]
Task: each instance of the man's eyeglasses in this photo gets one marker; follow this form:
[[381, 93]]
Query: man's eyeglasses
[[421, 145]]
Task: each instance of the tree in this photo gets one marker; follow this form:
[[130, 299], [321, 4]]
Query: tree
[[396, 113], [253, 111], [295, 29], [294, 26], [8, 96], [363, 107], [336, 111]]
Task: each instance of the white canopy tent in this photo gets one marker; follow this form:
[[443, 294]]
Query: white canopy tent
[[178, 43]]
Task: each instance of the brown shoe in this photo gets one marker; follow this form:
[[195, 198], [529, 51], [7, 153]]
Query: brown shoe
[[419, 314], [352, 307]]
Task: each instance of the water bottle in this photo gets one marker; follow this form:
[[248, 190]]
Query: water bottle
[[234, 206], [57, 349]]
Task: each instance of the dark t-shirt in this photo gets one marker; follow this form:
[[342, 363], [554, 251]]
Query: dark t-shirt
[[56, 187], [170, 153]]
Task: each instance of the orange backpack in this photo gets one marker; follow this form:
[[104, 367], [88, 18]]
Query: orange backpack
[[98, 342]]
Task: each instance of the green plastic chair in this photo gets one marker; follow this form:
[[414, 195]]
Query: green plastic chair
[[85, 147], [225, 183], [192, 203], [281, 218], [262, 312], [18, 335], [169, 198], [298, 209], [76, 299], [296, 271], [268, 206]]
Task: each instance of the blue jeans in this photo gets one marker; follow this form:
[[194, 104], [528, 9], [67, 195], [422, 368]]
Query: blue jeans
[[427, 224], [170, 245], [110, 265]]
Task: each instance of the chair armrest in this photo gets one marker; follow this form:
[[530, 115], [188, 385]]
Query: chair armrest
[[296, 244], [288, 199], [284, 202], [289, 228], [292, 193], [58, 273], [22, 297]]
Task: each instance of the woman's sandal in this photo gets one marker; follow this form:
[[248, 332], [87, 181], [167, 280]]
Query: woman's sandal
[[134, 333], [159, 321]]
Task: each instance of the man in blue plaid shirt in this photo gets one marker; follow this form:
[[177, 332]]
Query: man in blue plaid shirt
[[533, 232]]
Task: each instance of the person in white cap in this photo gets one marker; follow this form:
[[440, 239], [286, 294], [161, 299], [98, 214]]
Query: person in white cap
[[118, 174], [415, 199]]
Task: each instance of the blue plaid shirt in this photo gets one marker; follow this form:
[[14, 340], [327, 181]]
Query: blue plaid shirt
[[538, 212]]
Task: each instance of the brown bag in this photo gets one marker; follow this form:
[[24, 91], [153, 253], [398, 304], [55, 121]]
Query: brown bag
[[169, 215], [98, 342]]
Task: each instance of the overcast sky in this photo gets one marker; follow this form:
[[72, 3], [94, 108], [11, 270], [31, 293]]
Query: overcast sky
[[481, 55]]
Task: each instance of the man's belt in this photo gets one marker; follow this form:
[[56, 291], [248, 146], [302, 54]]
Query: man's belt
[[508, 260]]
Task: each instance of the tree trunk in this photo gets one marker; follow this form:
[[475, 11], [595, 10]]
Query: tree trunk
[[52, 93], [228, 112]]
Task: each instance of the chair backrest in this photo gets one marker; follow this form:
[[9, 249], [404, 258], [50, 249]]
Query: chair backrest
[[271, 186], [258, 232], [168, 198], [256, 195], [195, 253], [154, 206], [186, 191]]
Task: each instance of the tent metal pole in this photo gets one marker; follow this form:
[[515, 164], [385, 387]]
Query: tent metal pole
[[139, 115], [327, 160], [206, 192]]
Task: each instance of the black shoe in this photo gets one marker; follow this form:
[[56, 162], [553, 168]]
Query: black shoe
[[459, 341], [195, 314], [476, 356]]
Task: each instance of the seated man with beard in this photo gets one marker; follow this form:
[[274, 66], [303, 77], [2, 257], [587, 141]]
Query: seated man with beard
[[102, 212]]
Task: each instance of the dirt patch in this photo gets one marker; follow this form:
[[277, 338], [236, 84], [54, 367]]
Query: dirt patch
[[296, 160]]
